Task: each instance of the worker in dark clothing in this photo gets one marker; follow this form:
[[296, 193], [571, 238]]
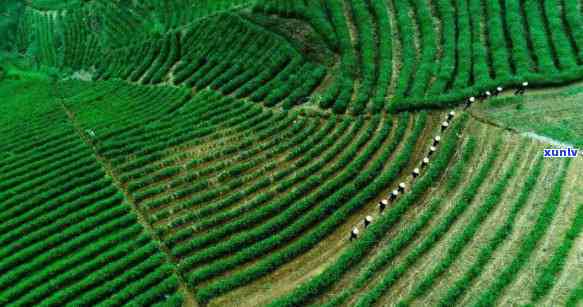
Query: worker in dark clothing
[[425, 163], [450, 115], [432, 150], [393, 195], [401, 187], [436, 140], [522, 89], [470, 101], [486, 95], [444, 126], [498, 91], [354, 234], [367, 221], [415, 173], [383, 205]]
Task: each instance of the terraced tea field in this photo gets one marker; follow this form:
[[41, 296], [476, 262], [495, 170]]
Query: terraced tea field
[[292, 153]]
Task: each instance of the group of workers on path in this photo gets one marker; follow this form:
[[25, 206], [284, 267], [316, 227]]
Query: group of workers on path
[[392, 197], [402, 187], [488, 94]]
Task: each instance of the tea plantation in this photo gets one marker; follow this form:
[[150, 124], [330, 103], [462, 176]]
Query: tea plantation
[[291, 153]]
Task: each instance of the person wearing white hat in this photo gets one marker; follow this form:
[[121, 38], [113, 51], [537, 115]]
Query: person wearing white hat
[[432, 150], [470, 101], [436, 140], [522, 89], [498, 91], [383, 205], [354, 233], [444, 126], [425, 162], [450, 115], [367, 221], [393, 195], [416, 173], [401, 187]]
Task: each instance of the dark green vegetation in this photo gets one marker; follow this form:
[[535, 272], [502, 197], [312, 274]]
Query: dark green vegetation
[[10, 12], [68, 234], [389, 55], [218, 153]]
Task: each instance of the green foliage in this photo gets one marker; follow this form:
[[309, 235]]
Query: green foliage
[[576, 295], [320, 205], [426, 65], [490, 295], [234, 190], [506, 43], [10, 14], [455, 291], [68, 236], [435, 234], [547, 275], [406, 236], [355, 253], [462, 239]]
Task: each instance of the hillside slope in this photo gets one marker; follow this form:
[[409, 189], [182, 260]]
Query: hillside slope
[[219, 153], [383, 55]]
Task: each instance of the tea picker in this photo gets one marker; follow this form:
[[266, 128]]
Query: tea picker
[[367, 221], [444, 126], [383, 205], [432, 150], [522, 89], [416, 173], [470, 101], [354, 234], [425, 162], [401, 187], [393, 195], [486, 95]]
